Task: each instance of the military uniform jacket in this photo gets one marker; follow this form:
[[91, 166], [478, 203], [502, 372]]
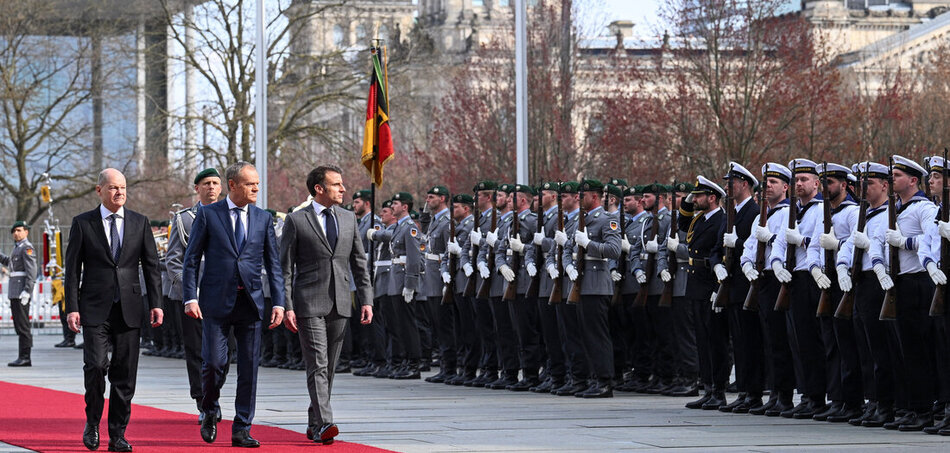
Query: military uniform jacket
[[384, 259], [528, 224], [570, 226], [914, 218], [363, 225], [548, 228], [438, 237], [810, 225], [745, 217], [497, 282], [462, 232], [638, 256], [776, 220], [407, 259], [635, 225], [844, 220], [484, 225], [701, 281], [22, 265], [177, 242], [603, 229]]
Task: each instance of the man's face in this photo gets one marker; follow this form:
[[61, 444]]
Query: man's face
[[208, 189], [548, 198], [434, 202], [112, 191], [400, 209], [460, 211], [569, 201], [360, 207], [648, 201], [386, 215], [903, 181], [591, 200], [836, 187], [806, 185], [702, 201], [243, 189], [19, 234], [936, 182], [631, 205], [484, 199], [877, 189], [501, 200], [775, 189], [332, 190]]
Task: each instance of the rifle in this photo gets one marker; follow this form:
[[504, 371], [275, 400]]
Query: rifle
[[846, 306], [824, 302], [752, 297], [485, 291], [511, 290], [470, 285], [557, 287], [889, 308], [535, 284], [448, 295], [939, 302], [783, 300], [666, 299], [722, 296], [650, 270], [581, 255], [617, 299]]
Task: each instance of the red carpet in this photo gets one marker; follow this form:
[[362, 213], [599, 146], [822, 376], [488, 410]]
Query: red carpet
[[52, 421]]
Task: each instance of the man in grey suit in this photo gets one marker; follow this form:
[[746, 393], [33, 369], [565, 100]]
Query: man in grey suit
[[22, 263], [320, 248]]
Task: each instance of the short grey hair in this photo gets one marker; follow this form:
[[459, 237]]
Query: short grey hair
[[232, 172], [104, 175]]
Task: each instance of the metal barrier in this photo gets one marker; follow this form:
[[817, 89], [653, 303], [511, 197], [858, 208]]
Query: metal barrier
[[43, 314]]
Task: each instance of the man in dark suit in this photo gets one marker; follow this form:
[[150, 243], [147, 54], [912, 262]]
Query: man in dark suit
[[237, 239], [103, 294], [320, 247]]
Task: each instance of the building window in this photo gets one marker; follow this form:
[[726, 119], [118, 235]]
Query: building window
[[362, 34], [384, 32], [478, 3], [339, 36]]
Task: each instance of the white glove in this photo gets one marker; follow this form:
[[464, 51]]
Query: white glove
[[792, 236], [491, 238], [515, 244], [531, 269], [762, 234], [446, 278], [665, 276], [467, 269], [25, 297], [689, 198], [895, 238], [408, 294], [652, 246], [820, 278], [571, 272], [721, 272], [538, 239], [936, 274], [581, 238], [369, 234], [625, 245], [781, 274], [844, 280], [641, 276], [729, 239], [615, 276], [507, 273], [886, 282], [944, 229], [483, 270], [672, 243], [749, 270], [476, 236], [552, 271], [560, 238], [453, 248], [861, 240], [829, 241]]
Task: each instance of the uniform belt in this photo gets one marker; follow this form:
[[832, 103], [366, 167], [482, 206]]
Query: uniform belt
[[18, 274], [434, 256], [384, 263], [589, 258], [704, 262], [399, 260]]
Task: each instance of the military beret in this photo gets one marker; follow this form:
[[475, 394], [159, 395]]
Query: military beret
[[631, 191], [402, 197], [550, 185], [438, 190], [19, 224], [507, 188], [486, 185], [206, 173], [463, 198], [591, 185], [272, 212], [613, 190], [413, 215], [683, 187], [569, 187], [364, 194], [388, 204], [619, 182], [654, 188], [525, 189]]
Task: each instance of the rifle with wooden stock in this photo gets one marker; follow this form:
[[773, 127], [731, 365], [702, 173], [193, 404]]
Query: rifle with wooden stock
[[471, 285], [824, 302], [666, 299], [580, 257], [889, 308], [448, 294], [511, 288], [752, 297], [557, 288], [534, 285], [846, 306], [939, 302], [485, 291], [617, 299], [650, 268], [725, 286], [783, 301]]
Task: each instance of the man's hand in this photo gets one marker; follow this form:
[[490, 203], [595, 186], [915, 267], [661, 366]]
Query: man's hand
[[408, 294], [507, 273], [516, 244], [369, 233], [491, 238], [821, 279], [290, 321], [882, 277], [652, 246], [729, 239], [483, 270], [672, 243], [467, 269], [571, 272], [625, 245], [193, 310], [446, 278], [829, 241], [937, 275], [641, 276], [156, 316], [552, 271], [781, 274], [665, 276], [762, 234], [276, 317], [581, 238], [72, 320], [538, 239], [861, 240], [944, 229], [794, 237], [475, 236], [560, 238], [366, 314], [24, 297], [844, 279], [750, 273], [615, 276], [721, 272], [531, 269], [453, 248], [896, 239]]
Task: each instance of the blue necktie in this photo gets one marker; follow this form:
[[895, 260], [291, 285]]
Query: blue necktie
[[239, 234], [114, 244], [331, 228]]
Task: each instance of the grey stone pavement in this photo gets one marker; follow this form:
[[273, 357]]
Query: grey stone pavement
[[415, 416]]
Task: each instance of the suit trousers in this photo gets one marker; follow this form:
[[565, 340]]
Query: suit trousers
[[712, 341], [172, 323], [804, 333], [447, 315], [881, 338], [121, 369], [486, 334], [321, 339], [592, 317], [524, 312], [556, 365], [468, 343], [21, 325], [191, 339], [683, 327], [917, 336], [661, 320], [506, 339], [246, 326], [569, 327], [778, 349]]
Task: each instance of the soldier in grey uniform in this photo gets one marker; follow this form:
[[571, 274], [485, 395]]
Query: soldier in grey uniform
[[488, 363], [442, 316], [468, 344], [404, 282], [372, 336], [22, 265], [624, 350], [394, 352]]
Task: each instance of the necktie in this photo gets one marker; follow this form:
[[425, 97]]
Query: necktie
[[331, 228], [114, 244], [239, 234]]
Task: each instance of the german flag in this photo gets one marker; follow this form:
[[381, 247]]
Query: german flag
[[377, 138]]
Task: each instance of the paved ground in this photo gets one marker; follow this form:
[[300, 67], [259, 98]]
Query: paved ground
[[421, 417]]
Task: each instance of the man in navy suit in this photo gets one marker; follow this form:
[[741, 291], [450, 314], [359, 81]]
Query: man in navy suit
[[238, 242]]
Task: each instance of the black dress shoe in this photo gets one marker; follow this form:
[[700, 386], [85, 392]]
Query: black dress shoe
[[898, 421], [327, 433], [65, 344], [243, 439], [437, 378], [779, 407], [571, 389], [917, 421], [869, 409], [486, 378], [881, 417], [209, 429], [21, 361], [368, 370], [119, 444], [342, 368], [598, 390], [524, 384], [740, 398], [77, 346], [831, 409], [749, 403], [801, 406], [90, 436], [409, 372], [547, 386], [460, 379], [717, 400], [846, 414], [813, 407], [698, 404], [656, 387], [690, 389], [937, 427], [502, 382], [773, 400]]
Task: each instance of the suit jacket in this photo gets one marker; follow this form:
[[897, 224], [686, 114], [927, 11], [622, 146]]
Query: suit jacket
[[212, 236], [92, 274], [743, 224], [702, 281], [311, 267]]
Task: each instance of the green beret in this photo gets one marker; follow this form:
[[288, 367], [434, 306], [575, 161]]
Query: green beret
[[632, 191], [569, 187], [272, 212], [507, 188], [403, 197], [591, 185], [18, 224], [364, 194], [206, 173], [683, 187], [413, 215], [438, 190], [486, 185], [525, 189], [463, 198], [550, 186], [619, 182], [613, 190], [388, 204], [654, 188]]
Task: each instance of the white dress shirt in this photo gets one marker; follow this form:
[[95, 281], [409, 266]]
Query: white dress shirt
[[233, 216], [321, 219], [119, 223]]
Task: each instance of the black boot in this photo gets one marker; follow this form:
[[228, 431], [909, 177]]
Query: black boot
[[832, 409], [846, 413], [883, 415], [717, 400], [740, 398], [698, 404], [869, 409]]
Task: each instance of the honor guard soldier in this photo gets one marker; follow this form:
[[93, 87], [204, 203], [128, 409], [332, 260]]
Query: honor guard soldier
[[372, 337], [488, 363], [22, 265], [686, 366], [404, 281], [437, 202], [600, 240], [381, 238], [468, 346], [637, 360], [617, 322], [712, 339]]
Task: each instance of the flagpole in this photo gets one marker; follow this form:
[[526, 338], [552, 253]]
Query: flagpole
[[521, 93], [260, 126]]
